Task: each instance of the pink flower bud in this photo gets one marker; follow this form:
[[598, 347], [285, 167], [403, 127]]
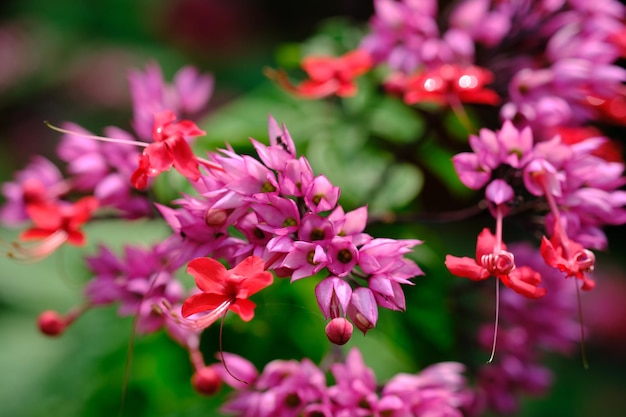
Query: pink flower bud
[[206, 381], [339, 331], [51, 323], [363, 310]]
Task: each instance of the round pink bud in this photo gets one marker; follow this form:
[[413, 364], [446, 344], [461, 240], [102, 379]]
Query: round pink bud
[[215, 217], [339, 331], [51, 323], [206, 381]]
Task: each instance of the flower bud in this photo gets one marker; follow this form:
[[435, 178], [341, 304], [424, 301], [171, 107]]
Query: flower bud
[[206, 381], [51, 323], [585, 260], [339, 331]]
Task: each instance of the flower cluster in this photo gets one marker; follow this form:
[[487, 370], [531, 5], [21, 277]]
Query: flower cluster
[[292, 388], [258, 215]]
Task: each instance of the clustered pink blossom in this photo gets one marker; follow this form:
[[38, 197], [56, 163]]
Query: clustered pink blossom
[[299, 388]]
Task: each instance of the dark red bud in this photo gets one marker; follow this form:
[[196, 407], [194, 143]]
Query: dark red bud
[[206, 381], [339, 331], [51, 323]]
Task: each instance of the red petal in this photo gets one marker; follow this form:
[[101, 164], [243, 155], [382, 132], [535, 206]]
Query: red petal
[[466, 268], [549, 254], [76, 237], [36, 233], [316, 89], [357, 61], [82, 210], [161, 121], [210, 275], [199, 303], [243, 307], [160, 160], [183, 158], [184, 128], [256, 278], [524, 281], [320, 69], [45, 215], [485, 244]]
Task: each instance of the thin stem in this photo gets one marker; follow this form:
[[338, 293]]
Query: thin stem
[[495, 327], [583, 350]]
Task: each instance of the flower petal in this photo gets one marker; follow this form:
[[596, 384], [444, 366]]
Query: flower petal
[[243, 307], [210, 275], [199, 303], [466, 268]]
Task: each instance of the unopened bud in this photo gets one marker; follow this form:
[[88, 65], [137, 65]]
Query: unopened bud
[[51, 323], [215, 217], [586, 260], [206, 381], [339, 331]]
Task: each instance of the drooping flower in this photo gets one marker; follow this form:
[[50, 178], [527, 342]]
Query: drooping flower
[[569, 257], [500, 264], [225, 289]]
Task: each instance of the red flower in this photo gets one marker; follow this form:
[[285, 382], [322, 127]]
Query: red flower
[[50, 218], [500, 264], [569, 257], [224, 289], [169, 148], [447, 84], [327, 75]]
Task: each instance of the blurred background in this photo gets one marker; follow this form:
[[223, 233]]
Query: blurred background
[[66, 60]]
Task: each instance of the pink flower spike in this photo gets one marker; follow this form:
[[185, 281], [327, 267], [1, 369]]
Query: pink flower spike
[[224, 289]]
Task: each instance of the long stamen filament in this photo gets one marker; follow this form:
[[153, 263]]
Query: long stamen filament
[[583, 350], [222, 351], [96, 137], [495, 327]]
